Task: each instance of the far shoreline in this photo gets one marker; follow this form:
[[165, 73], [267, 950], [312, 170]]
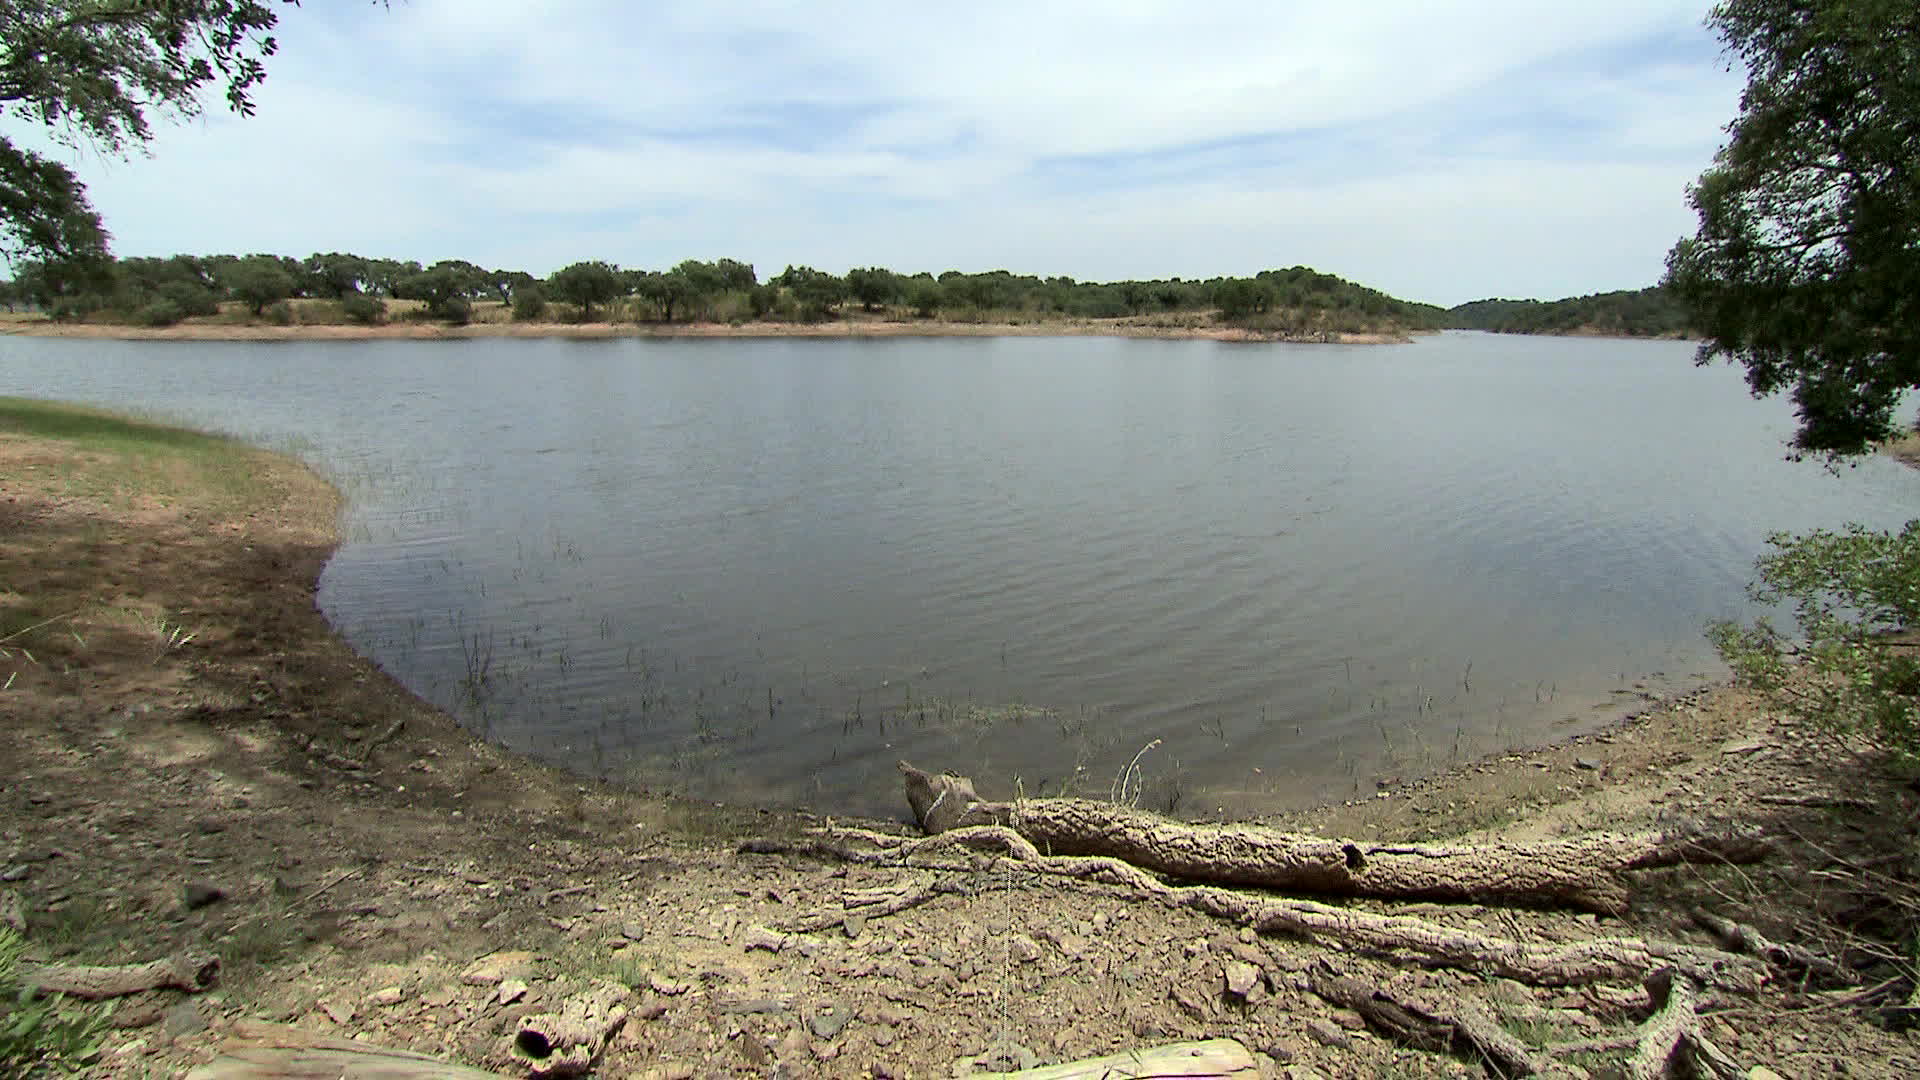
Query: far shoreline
[[849, 328]]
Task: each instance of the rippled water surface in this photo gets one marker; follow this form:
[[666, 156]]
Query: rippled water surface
[[765, 570]]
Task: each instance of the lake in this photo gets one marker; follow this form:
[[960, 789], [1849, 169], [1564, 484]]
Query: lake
[[764, 570]]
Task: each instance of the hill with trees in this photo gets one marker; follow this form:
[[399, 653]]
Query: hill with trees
[[1651, 312]]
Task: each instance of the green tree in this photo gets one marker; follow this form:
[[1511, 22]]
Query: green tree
[[91, 72], [816, 291], [1239, 298], [334, 275], [873, 286], [259, 280], [444, 288], [1805, 268], [587, 283], [665, 291]]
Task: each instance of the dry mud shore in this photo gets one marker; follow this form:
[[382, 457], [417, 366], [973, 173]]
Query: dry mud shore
[[196, 765]]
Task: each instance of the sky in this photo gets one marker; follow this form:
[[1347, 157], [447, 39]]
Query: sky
[[1440, 150]]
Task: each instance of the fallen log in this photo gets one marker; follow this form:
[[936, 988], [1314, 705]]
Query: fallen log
[[1434, 944], [1584, 872], [1214, 1058], [568, 1042], [261, 1051], [187, 971]]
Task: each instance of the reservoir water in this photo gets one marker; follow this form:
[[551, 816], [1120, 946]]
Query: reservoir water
[[765, 570]]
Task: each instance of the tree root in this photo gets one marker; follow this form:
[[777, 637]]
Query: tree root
[[1428, 1023], [1671, 1041], [1741, 938]]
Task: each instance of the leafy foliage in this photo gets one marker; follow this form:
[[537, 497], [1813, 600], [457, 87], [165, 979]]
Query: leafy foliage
[[1855, 594], [1806, 264], [94, 72], [41, 1036]]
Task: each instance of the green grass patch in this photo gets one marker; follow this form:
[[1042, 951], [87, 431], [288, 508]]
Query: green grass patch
[[149, 459]]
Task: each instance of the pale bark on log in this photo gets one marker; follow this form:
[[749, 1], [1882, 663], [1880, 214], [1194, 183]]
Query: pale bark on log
[[190, 972], [1179, 1061], [1540, 964], [569, 1041], [262, 1051], [1672, 1035], [1583, 872]]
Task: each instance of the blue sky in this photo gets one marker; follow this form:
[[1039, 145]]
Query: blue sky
[[1439, 150]]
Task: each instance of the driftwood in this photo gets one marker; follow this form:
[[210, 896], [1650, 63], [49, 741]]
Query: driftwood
[[1671, 1043], [262, 1051], [1430, 1022], [568, 1042], [1213, 1058], [1584, 872], [1434, 944], [187, 971]]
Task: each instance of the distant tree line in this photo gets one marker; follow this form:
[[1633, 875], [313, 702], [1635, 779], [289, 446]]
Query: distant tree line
[[1654, 312], [162, 291]]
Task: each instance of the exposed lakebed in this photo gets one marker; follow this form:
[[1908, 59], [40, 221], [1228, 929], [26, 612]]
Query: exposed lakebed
[[764, 570]]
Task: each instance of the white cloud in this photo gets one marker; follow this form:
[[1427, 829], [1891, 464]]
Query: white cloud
[[1441, 151]]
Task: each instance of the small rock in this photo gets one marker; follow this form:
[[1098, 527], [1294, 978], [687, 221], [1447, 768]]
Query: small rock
[[16, 873], [1327, 1033], [441, 998], [1241, 979], [198, 894], [1304, 1072], [1761, 1072], [663, 985], [490, 969], [1350, 1019], [511, 990], [1023, 948], [760, 937], [633, 931], [337, 1012], [1586, 764], [387, 995], [883, 1038], [854, 925], [675, 1071], [829, 1020], [184, 1019], [208, 826]]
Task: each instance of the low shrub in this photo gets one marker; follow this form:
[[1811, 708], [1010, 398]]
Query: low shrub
[[279, 313], [159, 313], [363, 309], [529, 304]]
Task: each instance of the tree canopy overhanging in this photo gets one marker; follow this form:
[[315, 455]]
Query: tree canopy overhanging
[[97, 72], [1806, 264]]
